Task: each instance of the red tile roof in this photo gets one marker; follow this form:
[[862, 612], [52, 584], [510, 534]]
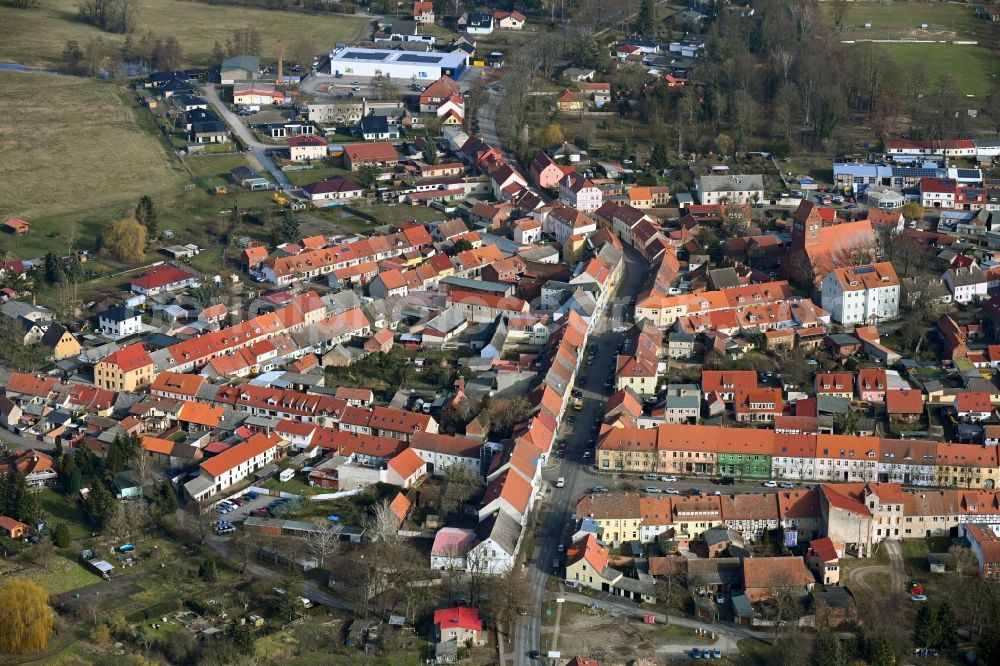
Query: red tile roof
[[129, 358], [162, 276], [459, 617], [240, 454]]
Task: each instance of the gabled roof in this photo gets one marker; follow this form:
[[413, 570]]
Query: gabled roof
[[240, 454], [130, 358], [407, 463]]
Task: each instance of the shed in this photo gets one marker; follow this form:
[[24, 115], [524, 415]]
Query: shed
[[742, 610], [938, 562], [100, 567]]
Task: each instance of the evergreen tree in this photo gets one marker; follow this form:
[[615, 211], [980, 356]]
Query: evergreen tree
[[242, 637], [123, 449], [62, 538], [100, 504], [87, 462], [430, 153], [165, 500], [645, 23], [53, 268], [658, 157], [289, 227], [827, 652], [925, 630], [208, 571], [947, 630], [75, 482], [147, 216]]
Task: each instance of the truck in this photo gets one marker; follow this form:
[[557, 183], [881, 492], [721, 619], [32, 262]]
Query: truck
[[560, 482]]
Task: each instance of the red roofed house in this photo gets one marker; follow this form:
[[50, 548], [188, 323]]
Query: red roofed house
[[823, 559], [570, 101], [37, 468], [162, 278], [904, 405], [405, 469], [423, 12], [380, 154], [973, 406], [380, 342], [985, 543], [459, 624], [334, 188], [763, 576], [587, 564], [125, 370], [233, 465], [509, 20], [254, 257], [306, 148]]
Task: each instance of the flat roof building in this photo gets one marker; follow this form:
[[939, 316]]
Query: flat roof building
[[431, 66]]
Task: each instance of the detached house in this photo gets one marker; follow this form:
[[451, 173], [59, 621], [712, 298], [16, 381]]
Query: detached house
[[120, 322], [509, 20], [60, 342], [423, 12]]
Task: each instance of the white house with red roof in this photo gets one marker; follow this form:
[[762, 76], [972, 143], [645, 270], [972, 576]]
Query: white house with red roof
[[862, 294], [423, 12], [305, 148], [163, 278], [333, 189], [459, 624], [509, 20]]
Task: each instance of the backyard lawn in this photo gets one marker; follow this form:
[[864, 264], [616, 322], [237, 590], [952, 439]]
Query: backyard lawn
[[58, 509], [37, 37]]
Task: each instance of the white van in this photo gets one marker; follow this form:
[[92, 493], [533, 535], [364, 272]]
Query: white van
[[560, 482]]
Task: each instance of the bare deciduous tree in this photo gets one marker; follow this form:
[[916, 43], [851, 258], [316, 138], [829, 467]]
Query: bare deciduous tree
[[322, 541]]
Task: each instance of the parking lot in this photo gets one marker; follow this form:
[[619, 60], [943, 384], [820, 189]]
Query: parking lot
[[244, 510]]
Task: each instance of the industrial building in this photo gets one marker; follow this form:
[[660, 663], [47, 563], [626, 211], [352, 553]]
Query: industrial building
[[402, 65]]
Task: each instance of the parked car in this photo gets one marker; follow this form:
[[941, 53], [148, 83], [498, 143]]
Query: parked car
[[597, 490], [716, 653], [720, 598], [652, 489], [770, 484], [672, 491], [787, 484], [668, 479], [918, 597]]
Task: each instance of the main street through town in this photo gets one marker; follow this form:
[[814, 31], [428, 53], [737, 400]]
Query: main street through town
[[557, 507]]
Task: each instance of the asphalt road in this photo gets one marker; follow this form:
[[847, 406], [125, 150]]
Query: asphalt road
[[257, 149], [557, 507]]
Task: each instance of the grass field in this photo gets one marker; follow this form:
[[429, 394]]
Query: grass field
[[37, 37], [891, 20], [71, 144], [972, 67]]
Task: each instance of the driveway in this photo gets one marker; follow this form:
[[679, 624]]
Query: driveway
[[257, 149]]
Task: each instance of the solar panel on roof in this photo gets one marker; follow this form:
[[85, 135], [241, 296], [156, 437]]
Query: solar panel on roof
[[862, 270], [364, 55], [968, 173], [426, 60]]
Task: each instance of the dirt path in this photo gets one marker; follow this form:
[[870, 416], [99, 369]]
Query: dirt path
[[863, 576]]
